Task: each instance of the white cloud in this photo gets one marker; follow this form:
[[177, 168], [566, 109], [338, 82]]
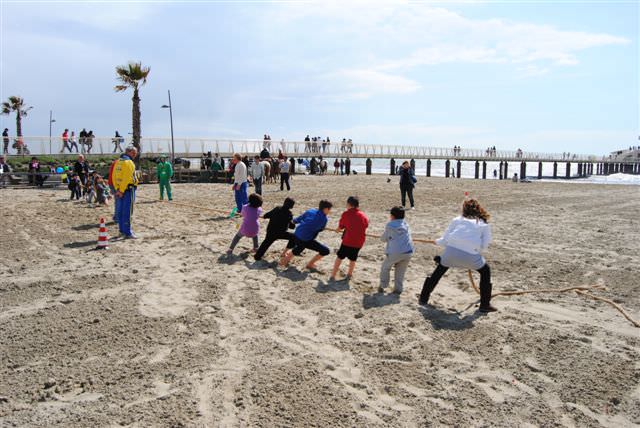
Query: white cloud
[[427, 35], [350, 84]]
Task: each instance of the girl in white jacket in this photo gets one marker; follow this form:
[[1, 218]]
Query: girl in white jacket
[[464, 240]]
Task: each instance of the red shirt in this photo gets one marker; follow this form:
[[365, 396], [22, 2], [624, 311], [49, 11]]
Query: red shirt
[[355, 224]]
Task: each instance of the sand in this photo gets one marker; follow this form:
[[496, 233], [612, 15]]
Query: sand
[[166, 331]]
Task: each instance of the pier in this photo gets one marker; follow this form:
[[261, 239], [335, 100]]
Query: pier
[[525, 164]]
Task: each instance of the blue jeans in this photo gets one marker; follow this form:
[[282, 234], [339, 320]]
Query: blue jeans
[[117, 203], [242, 197], [125, 211]]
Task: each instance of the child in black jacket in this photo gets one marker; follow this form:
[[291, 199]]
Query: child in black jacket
[[280, 220]]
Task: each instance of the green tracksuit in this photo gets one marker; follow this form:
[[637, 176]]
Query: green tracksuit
[[165, 172]]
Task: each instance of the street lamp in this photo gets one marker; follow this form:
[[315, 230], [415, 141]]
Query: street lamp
[[51, 120], [173, 150]]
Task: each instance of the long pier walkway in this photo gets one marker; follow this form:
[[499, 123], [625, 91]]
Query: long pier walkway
[[187, 148]]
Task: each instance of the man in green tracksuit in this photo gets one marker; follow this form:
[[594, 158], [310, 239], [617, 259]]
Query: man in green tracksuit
[[165, 172]]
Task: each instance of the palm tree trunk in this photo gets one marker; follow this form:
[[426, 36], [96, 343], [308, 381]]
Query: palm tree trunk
[[136, 123], [18, 124]]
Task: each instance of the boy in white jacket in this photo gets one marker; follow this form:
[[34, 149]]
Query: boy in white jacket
[[464, 240]]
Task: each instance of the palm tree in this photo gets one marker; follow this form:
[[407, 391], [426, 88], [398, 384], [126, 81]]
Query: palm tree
[[133, 76], [16, 104]]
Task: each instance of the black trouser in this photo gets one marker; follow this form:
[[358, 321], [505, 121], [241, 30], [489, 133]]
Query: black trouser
[[404, 191], [270, 239], [75, 192], [485, 284], [284, 178]]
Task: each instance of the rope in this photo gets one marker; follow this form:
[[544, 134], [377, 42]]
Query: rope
[[581, 290]]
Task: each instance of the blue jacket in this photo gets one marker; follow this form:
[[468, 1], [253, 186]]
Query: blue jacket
[[310, 223], [398, 237]]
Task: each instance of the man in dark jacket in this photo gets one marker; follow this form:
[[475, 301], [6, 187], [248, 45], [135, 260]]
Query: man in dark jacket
[[407, 183]]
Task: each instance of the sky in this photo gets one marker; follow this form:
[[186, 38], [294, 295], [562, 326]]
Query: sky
[[538, 75]]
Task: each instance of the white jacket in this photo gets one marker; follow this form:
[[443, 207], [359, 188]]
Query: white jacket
[[467, 234], [257, 170], [240, 173]]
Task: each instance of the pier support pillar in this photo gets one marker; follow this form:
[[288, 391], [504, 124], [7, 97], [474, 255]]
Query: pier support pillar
[[501, 169], [458, 168], [368, 165], [555, 170], [477, 170], [392, 167], [523, 170], [579, 170], [428, 167], [484, 170], [412, 163], [447, 170], [506, 170], [568, 170], [539, 170]]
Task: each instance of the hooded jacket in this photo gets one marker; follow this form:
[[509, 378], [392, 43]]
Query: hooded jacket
[[398, 237]]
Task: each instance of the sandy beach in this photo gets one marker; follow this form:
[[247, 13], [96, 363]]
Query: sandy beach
[[167, 331]]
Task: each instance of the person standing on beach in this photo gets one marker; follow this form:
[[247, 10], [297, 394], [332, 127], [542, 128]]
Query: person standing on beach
[[467, 236], [257, 173], [407, 183], [165, 172], [354, 224], [5, 172], [284, 174], [5, 141], [125, 182], [113, 190], [240, 183], [280, 221], [347, 165], [81, 167], [309, 225]]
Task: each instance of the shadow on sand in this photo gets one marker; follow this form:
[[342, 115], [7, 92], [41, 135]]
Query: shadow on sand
[[445, 320], [332, 286], [80, 244], [379, 300]]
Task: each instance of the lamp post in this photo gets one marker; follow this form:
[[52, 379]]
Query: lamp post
[[51, 120], [173, 150]]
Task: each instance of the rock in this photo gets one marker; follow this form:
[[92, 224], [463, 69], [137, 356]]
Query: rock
[[49, 383], [66, 301], [359, 315], [135, 271]]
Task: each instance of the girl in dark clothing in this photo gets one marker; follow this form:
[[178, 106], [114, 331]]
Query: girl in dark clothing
[[407, 183], [280, 220]]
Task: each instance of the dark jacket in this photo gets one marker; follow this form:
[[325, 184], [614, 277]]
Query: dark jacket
[[280, 219], [406, 178]]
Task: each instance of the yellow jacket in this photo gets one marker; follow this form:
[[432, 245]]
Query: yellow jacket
[[124, 174]]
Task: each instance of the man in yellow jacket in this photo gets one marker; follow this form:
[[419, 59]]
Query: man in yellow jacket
[[125, 182]]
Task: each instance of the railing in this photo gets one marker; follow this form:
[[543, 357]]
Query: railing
[[194, 147]]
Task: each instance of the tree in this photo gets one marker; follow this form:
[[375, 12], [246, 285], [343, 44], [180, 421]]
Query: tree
[[133, 76], [16, 104]]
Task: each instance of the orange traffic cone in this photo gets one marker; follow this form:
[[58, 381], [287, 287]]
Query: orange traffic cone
[[103, 236]]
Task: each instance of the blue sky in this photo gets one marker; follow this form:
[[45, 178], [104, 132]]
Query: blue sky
[[539, 76]]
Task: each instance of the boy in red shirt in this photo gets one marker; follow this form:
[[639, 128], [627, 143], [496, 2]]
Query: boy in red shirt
[[354, 224]]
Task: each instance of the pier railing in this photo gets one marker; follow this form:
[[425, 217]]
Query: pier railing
[[194, 147]]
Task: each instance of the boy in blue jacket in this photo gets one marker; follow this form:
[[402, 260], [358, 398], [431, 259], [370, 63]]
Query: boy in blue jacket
[[398, 251], [309, 224]]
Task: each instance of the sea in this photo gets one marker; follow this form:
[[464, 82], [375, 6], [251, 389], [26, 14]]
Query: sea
[[382, 166]]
